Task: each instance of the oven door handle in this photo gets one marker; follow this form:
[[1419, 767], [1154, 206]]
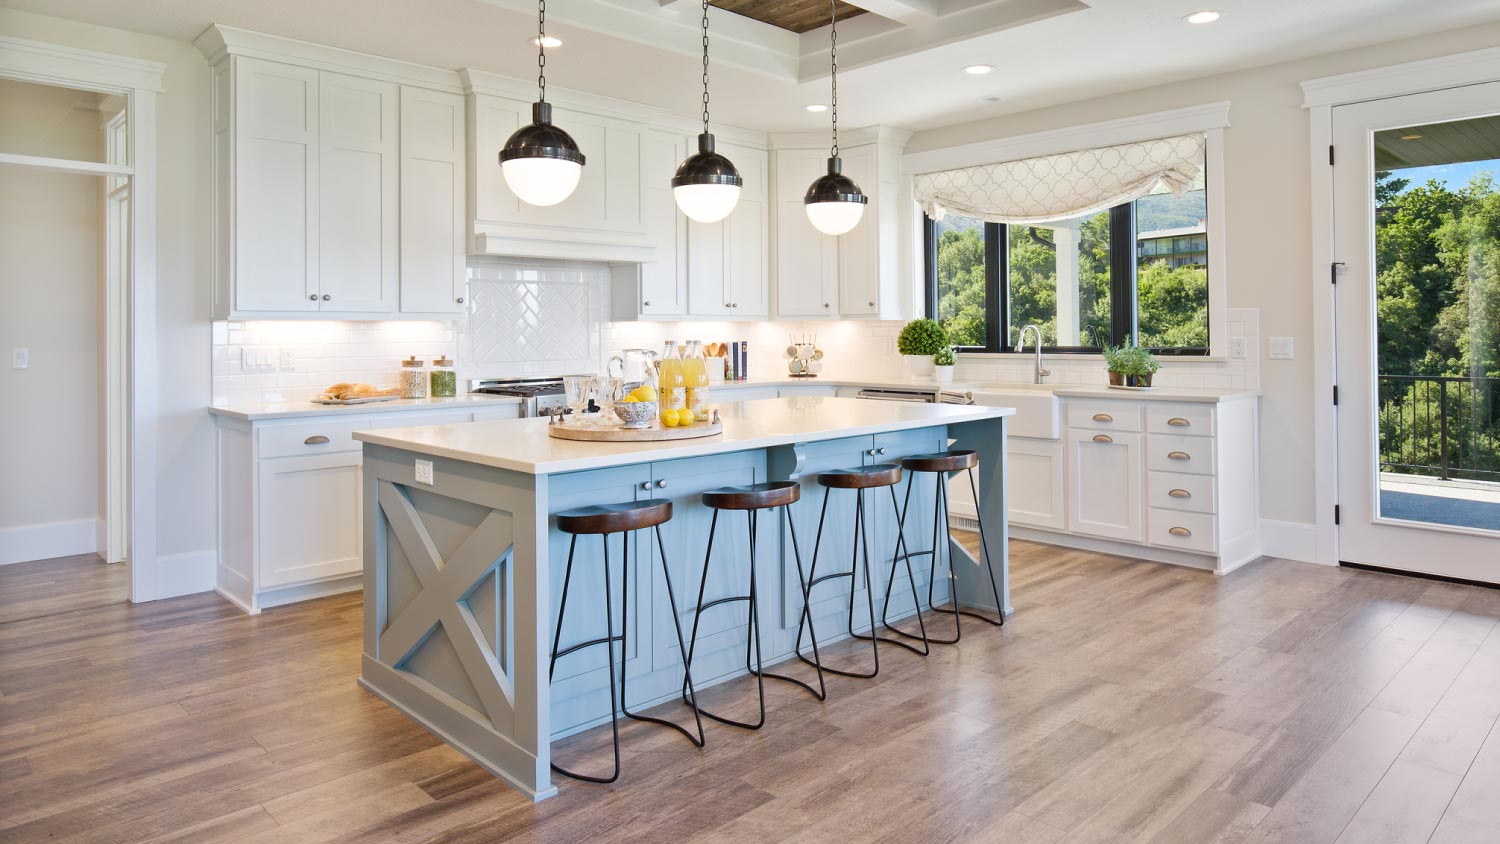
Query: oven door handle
[[912, 396]]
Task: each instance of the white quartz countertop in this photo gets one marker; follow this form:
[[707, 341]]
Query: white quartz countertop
[[292, 409], [524, 446], [1192, 394]]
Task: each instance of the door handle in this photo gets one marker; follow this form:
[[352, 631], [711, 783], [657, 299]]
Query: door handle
[[316, 439], [1178, 422], [1103, 417], [1179, 493], [1103, 438], [1179, 531], [1179, 455]]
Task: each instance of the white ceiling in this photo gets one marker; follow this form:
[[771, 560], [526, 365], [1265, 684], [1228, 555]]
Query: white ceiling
[[1045, 51]]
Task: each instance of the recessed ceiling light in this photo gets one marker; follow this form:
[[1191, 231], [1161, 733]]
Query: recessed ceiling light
[[1411, 137], [815, 107], [989, 99], [549, 41], [1205, 16], [978, 69]]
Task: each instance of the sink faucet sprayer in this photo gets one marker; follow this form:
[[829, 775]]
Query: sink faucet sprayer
[[1021, 347]]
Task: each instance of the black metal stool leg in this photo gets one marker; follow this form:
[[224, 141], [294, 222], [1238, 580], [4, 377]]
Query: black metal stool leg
[[687, 674], [713, 528], [609, 642], [904, 554], [989, 563], [821, 692], [942, 528]]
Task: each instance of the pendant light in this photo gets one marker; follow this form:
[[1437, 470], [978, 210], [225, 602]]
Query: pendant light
[[540, 161], [706, 187], [834, 202]]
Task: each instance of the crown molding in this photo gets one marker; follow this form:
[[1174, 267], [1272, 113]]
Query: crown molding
[[1397, 80], [55, 64], [219, 41], [847, 138]]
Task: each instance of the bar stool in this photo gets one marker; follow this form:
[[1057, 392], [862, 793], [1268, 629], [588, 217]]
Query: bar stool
[[752, 499], [859, 479], [940, 464], [604, 520]]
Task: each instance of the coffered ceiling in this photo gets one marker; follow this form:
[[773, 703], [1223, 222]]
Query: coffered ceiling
[[796, 15]]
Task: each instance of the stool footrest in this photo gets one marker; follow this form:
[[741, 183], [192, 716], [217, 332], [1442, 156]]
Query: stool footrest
[[815, 581], [729, 600], [589, 644]]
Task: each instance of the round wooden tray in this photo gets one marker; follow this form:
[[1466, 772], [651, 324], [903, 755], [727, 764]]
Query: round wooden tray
[[635, 435]]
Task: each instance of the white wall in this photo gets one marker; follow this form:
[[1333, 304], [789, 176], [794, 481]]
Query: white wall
[[50, 282], [1269, 221], [184, 474]]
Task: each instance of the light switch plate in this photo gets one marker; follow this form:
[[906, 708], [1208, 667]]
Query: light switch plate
[[424, 472], [1281, 348], [20, 358]]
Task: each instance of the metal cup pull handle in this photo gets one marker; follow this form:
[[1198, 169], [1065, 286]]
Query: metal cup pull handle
[[1179, 422], [1103, 438], [316, 439], [1179, 455], [1103, 417], [1179, 493], [1179, 531]]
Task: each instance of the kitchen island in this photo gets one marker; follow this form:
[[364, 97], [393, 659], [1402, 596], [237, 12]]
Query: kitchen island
[[463, 564]]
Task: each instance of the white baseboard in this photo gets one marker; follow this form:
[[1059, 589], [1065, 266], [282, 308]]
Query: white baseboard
[[25, 543], [181, 574], [1289, 540]]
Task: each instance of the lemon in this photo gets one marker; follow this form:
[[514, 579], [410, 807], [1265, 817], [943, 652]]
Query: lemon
[[631, 399], [645, 392], [685, 417], [669, 418]]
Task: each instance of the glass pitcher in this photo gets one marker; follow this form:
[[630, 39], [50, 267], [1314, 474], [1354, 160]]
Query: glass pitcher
[[633, 366]]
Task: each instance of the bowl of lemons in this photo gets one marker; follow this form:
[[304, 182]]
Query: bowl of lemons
[[638, 408]]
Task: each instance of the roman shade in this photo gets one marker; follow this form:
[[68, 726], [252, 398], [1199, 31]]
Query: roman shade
[[1032, 191]]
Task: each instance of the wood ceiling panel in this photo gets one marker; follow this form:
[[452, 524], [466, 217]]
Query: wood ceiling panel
[[1438, 143], [796, 15]]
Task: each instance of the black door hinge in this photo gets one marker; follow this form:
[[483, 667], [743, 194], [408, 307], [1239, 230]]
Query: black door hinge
[[1335, 394], [1330, 155], [1335, 514], [1333, 271]]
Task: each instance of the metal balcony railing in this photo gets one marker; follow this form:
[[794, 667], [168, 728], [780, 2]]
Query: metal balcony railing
[[1440, 426]]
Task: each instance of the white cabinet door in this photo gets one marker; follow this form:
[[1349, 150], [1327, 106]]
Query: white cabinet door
[[807, 261], [663, 281], [433, 248], [707, 293], [357, 194], [275, 187], [727, 267], [747, 278], [1036, 472], [859, 250], [308, 511], [1104, 484]]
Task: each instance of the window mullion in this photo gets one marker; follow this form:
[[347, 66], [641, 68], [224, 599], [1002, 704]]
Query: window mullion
[[997, 284], [1122, 269]]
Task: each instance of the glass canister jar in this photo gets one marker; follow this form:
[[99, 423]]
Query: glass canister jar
[[413, 378], [444, 380]]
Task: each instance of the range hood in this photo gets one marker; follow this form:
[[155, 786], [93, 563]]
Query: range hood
[[625, 250]]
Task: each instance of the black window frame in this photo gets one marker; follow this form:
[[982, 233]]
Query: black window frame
[[1123, 267]]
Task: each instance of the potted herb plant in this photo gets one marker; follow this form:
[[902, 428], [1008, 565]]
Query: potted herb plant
[[944, 363], [1130, 366], [919, 340]]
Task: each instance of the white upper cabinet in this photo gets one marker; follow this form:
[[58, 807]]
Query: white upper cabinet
[[728, 261], [807, 261], [663, 281], [433, 248], [357, 194]]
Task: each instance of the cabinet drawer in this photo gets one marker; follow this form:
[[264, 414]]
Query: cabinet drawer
[[1176, 529], [318, 436], [1195, 419], [1176, 491], [1179, 453], [1104, 415]]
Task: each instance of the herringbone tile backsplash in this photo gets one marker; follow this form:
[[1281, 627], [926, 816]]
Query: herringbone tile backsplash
[[533, 319]]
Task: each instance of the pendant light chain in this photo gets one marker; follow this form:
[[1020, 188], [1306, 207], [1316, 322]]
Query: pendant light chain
[[705, 67], [833, 55], [541, 50]]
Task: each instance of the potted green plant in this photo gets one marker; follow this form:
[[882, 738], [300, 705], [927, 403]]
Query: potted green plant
[[919, 340], [944, 363], [1130, 366]]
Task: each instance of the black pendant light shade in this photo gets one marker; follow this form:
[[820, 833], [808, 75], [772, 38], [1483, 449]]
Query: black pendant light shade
[[834, 186], [706, 167], [834, 203], [541, 139], [707, 185]]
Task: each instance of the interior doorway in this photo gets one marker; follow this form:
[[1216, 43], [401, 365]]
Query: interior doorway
[[1417, 309]]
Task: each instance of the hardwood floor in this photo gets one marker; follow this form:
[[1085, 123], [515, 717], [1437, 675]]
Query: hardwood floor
[[61, 584], [1124, 702]]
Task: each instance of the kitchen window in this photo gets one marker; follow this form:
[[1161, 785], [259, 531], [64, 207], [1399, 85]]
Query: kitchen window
[[1136, 271]]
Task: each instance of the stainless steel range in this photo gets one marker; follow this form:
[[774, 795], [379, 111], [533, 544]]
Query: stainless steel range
[[539, 396]]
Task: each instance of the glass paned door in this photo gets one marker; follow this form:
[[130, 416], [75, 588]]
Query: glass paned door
[[1417, 226]]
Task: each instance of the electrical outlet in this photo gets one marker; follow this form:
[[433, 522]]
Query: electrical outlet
[[1281, 348], [424, 472], [286, 361], [20, 358], [1239, 348]]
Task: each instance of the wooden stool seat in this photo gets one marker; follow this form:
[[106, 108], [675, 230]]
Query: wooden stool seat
[[614, 518], [942, 461], [753, 496], [863, 477]]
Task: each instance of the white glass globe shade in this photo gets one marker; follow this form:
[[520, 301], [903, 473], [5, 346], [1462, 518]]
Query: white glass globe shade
[[541, 181], [706, 203], [835, 218]]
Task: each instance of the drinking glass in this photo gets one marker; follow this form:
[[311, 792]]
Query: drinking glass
[[576, 392]]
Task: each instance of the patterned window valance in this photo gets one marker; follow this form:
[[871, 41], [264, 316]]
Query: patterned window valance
[[1037, 190]]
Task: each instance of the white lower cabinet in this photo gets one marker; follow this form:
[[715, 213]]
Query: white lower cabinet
[[1104, 485], [1036, 472], [289, 501]]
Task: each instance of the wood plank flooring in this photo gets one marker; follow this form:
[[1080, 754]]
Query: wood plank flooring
[[1125, 702]]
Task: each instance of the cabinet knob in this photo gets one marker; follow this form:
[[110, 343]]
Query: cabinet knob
[[1179, 531], [1179, 455], [1179, 422], [460, 300], [326, 297], [1103, 417], [1103, 438], [312, 296], [880, 451], [735, 305], [825, 304], [1179, 493], [316, 439], [647, 303], [661, 484], [645, 485], [872, 304]]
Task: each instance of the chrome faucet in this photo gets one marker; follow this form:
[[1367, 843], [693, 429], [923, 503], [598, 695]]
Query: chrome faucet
[[1021, 347]]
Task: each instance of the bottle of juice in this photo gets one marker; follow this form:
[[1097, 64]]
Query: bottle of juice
[[695, 373], [672, 391]]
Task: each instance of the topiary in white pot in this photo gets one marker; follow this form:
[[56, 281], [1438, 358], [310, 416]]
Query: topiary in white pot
[[919, 340]]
